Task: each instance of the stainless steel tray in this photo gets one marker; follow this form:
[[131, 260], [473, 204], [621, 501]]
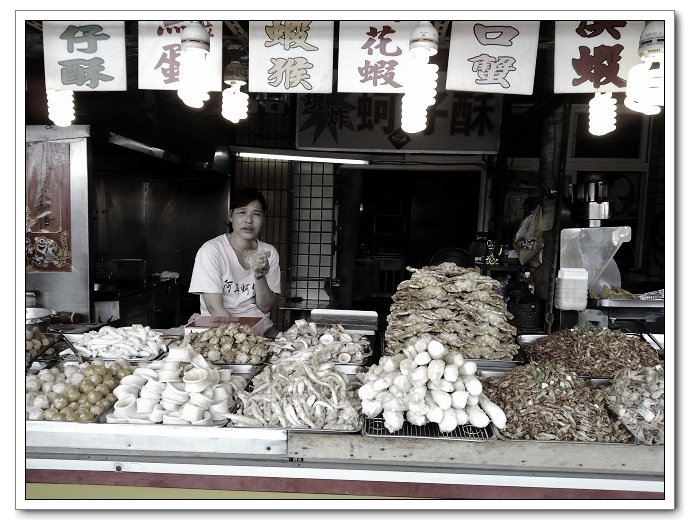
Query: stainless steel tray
[[501, 437], [489, 364], [364, 362], [469, 433], [356, 430], [594, 382], [655, 340], [366, 355], [639, 304], [349, 372], [72, 338], [349, 319], [245, 370], [525, 339]]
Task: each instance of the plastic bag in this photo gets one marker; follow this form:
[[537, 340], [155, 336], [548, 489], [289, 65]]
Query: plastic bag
[[258, 261], [529, 239]]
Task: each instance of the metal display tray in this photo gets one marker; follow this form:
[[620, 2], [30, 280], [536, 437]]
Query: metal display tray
[[469, 433], [501, 437], [103, 419], [524, 339], [638, 304], [368, 352], [246, 371], [491, 364], [350, 319], [655, 340], [49, 354], [349, 372], [354, 430], [594, 382], [70, 353], [364, 362]]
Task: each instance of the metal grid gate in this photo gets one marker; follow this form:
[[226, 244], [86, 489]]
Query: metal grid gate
[[312, 258], [300, 224]]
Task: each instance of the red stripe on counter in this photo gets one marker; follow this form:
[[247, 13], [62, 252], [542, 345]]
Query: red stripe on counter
[[326, 486]]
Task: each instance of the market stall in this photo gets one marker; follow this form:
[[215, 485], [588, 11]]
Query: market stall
[[450, 315], [298, 415]]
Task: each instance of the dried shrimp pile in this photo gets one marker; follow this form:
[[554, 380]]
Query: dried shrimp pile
[[457, 306], [228, 344], [637, 398], [297, 393], [548, 402], [592, 351], [305, 338]]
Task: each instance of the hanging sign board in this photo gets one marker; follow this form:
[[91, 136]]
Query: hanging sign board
[[497, 57], [371, 55], [291, 56], [84, 55], [159, 54], [594, 55], [459, 122]]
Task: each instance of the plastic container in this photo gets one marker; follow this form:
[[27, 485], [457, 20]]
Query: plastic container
[[593, 249], [573, 273], [571, 289]]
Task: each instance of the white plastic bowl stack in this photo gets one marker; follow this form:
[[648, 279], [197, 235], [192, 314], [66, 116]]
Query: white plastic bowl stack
[[571, 289]]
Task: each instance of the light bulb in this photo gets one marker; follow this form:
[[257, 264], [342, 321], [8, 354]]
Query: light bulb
[[645, 89], [60, 107], [194, 80], [602, 114], [235, 103], [420, 80], [424, 38]]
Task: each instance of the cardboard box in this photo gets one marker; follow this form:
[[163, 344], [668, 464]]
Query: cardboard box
[[204, 323]]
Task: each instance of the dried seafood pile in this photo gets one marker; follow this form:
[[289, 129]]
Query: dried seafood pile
[[228, 344], [129, 342], [297, 393], [305, 338], [637, 398], [548, 402], [592, 351], [456, 306]]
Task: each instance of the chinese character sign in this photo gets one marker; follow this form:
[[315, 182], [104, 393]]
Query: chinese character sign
[[459, 122], [371, 55], [493, 56], [48, 244], [291, 56], [594, 55], [85, 55], [159, 54]]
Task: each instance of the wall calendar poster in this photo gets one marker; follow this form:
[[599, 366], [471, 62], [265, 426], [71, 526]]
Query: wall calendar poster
[[48, 220]]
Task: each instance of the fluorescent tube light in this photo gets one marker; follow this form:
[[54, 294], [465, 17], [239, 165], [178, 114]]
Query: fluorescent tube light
[[296, 156]]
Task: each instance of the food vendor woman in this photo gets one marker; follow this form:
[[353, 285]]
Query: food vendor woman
[[234, 273]]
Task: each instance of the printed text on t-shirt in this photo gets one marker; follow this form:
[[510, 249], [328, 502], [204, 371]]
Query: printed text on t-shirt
[[239, 289]]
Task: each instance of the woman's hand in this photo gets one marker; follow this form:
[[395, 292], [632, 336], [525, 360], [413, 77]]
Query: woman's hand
[[262, 267]]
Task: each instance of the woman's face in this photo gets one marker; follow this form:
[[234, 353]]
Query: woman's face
[[247, 220]]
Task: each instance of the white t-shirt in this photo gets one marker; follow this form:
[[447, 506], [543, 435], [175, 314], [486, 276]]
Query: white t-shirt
[[217, 270]]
